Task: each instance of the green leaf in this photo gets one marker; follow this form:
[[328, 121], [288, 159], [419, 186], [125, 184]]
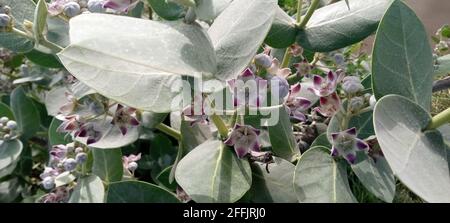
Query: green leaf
[[27, 116], [319, 178], [276, 186], [43, 59], [443, 67], [58, 31], [402, 60], [208, 10], [213, 173], [10, 190], [376, 176], [418, 158], [9, 155], [163, 179], [148, 80], [5, 111], [321, 140], [108, 164], [335, 26], [40, 21], [237, 42], [21, 10], [138, 192], [89, 189], [167, 10], [152, 119], [282, 136], [362, 122], [283, 32], [55, 137]]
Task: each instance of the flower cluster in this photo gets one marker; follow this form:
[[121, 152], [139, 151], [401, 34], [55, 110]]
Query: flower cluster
[[244, 139], [130, 163], [64, 159], [71, 8], [8, 128]]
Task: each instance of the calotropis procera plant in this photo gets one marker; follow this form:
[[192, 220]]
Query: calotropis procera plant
[[219, 101]]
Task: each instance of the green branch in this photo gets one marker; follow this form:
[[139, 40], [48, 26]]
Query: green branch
[[439, 120], [309, 13], [169, 131]]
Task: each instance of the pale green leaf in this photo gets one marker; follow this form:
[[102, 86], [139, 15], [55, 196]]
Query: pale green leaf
[[89, 189]]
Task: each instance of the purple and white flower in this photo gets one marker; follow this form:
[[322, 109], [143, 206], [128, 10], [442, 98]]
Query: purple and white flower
[[303, 68], [325, 86], [244, 139], [295, 104], [120, 5], [276, 70], [70, 105], [346, 144], [352, 85], [329, 105], [244, 94], [124, 117], [90, 131], [195, 113]]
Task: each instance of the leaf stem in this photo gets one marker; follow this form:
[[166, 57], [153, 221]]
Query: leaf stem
[[309, 13], [44, 42], [169, 131], [299, 11], [220, 124], [439, 120]]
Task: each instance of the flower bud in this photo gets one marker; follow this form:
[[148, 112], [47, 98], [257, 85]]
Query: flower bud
[[263, 60], [132, 166], [78, 150], [283, 86], [81, 158], [70, 164], [11, 125], [96, 6], [4, 120], [352, 85], [7, 137], [339, 59], [70, 147], [48, 183], [71, 9], [372, 101], [83, 3], [356, 104], [5, 20]]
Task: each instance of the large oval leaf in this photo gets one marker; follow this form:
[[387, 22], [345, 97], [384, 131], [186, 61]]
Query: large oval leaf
[[142, 65], [336, 26], [376, 176], [238, 32], [108, 164], [283, 31], [213, 173], [402, 60], [274, 186], [319, 178], [21, 10], [418, 159], [282, 136], [89, 189], [208, 10], [26, 113], [138, 192], [9, 154]]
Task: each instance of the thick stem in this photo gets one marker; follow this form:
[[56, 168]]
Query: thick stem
[[299, 11], [169, 131], [439, 120], [220, 124], [309, 13], [287, 58]]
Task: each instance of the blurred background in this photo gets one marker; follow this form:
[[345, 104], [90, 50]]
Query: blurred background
[[433, 13]]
